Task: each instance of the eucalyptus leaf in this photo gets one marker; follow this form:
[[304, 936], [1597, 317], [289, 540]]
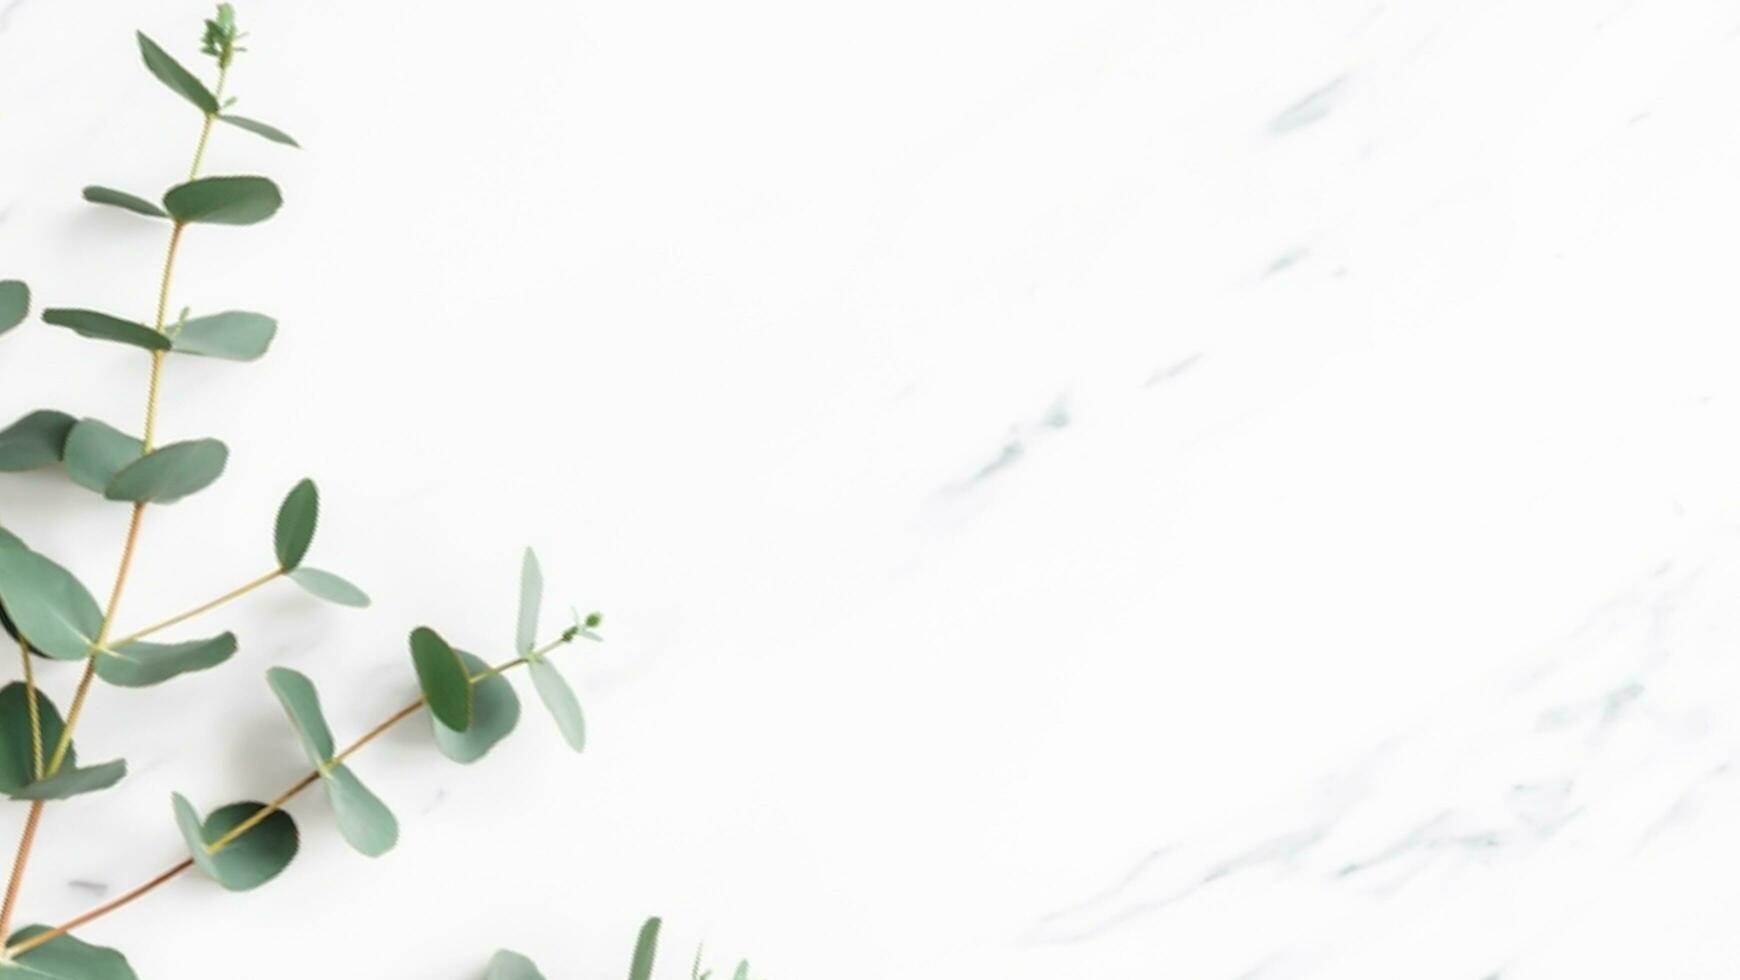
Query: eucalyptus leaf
[[302, 703], [298, 516], [441, 675], [48, 604], [742, 971], [259, 128], [495, 710], [233, 335], [363, 819], [180, 81], [509, 965], [95, 451], [65, 957], [646, 948], [34, 441], [14, 303], [329, 587], [18, 761], [143, 663], [97, 194], [10, 540], [531, 597], [70, 780], [559, 698], [224, 200], [168, 474], [248, 861], [102, 326]]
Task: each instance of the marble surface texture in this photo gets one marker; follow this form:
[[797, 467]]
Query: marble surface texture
[[1215, 489]]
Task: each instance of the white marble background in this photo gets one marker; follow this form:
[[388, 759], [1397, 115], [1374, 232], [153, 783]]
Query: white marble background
[[1210, 489]]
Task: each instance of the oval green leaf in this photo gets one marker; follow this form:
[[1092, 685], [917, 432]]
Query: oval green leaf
[[249, 861], [19, 764], [102, 326], [73, 781], [302, 703], [531, 597], [495, 710], [97, 194], [559, 698], [143, 663], [646, 949], [34, 441], [259, 128], [14, 303], [329, 587], [224, 200], [509, 965], [363, 819], [233, 335], [441, 675], [48, 605], [95, 451], [298, 516], [171, 473], [64, 957], [180, 81]]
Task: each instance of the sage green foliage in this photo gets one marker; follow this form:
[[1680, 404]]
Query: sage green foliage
[[14, 303], [509, 965], [495, 710], [34, 441], [233, 335], [224, 200], [102, 326], [252, 859], [646, 949], [64, 958], [166, 475], [298, 516], [441, 674], [97, 194], [51, 614], [362, 818]]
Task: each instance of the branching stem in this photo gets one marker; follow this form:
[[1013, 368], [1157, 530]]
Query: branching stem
[[178, 619]]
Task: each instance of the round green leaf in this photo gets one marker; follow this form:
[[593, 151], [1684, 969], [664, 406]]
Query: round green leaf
[[143, 663], [363, 819], [14, 303], [302, 703], [509, 965], [329, 587], [531, 597], [441, 675], [559, 698], [95, 451], [34, 441], [171, 473], [71, 781], [64, 958], [646, 949], [259, 128], [233, 335], [298, 516], [495, 710], [180, 81], [55, 613], [247, 862], [17, 752], [102, 326], [121, 199], [224, 200]]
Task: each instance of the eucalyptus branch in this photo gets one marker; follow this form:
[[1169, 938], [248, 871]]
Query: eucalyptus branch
[[203, 608], [266, 810]]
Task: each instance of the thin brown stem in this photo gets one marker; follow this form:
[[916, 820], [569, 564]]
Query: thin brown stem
[[19, 860], [30, 706], [176, 620], [256, 817]]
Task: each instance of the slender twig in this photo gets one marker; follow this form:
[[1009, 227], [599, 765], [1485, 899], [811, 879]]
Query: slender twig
[[259, 815], [176, 620], [30, 703]]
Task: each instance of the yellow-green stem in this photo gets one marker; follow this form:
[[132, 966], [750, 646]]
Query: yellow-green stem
[[176, 620]]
